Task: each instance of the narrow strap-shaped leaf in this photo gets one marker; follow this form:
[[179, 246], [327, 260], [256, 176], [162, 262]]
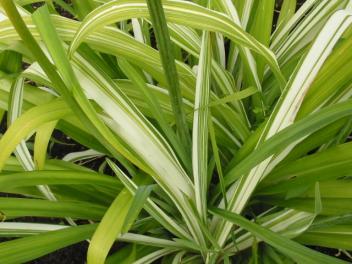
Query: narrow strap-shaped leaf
[[328, 164], [178, 258], [150, 206], [235, 96], [20, 207], [21, 229], [83, 7], [150, 241], [10, 61], [27, 123], [137, 30], [217, 159], [82, 155], [28, 248], [60, 177], [24, 229], [318, 207], [287, 222], [188, 39], [138, 202], [128, 254], [300, 36], [249, 64], [109, 228], [42, 139], [328, 85], [200, 126], [22, 153], [168, 60], [150, 258], [281, 32], [288, 9], [261, 27], [15, 110], [290, 248], [136, 77]]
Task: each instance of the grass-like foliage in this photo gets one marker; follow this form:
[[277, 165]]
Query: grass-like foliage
[[218, 129]]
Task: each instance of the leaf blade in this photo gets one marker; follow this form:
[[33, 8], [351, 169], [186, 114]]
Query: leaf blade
[[162, 36], [288, 247]]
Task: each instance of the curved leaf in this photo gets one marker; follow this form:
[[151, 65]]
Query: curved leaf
[[181, 12]]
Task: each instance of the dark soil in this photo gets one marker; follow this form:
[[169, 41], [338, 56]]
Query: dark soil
[[75, 254]]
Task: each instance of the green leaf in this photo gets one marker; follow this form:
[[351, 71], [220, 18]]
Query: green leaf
[[61, 177], [10, 61], [336, 236], [288, 247], [136, 77], [330, 206], [22, 153], [109, 228], [28, 248], [261, 26], [83, 7], [235, 96], [150, 206], [138, 203], [126, 255], [41, 142], [20, 207], [22, 229], [157, 16], [318, 206], [150, 258], [288, 9], [27, 123], [217, 159], [200, 126], [331, 163]]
